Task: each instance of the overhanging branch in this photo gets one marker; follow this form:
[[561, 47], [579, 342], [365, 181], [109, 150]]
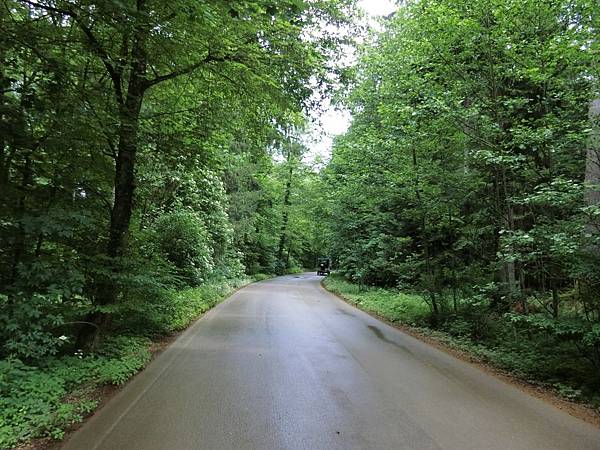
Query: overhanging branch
[[115, 75], [189, 69]]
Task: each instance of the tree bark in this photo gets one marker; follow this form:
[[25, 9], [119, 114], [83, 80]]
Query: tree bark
[[286, 206], [124, 184], [120, 218], [555, 302], [592, 160], [4, 157], [20, 237]]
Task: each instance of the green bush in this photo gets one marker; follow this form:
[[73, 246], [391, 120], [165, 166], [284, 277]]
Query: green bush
[[42, 401], [182, 237], [121, 358], [171, 311], [229, 267], [26, 325], [185, 306], [261, 276]]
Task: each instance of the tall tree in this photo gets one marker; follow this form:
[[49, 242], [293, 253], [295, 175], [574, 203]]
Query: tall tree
[[128, 77]]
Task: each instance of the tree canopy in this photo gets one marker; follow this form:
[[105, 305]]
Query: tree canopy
[[470, 173], [130, 131]]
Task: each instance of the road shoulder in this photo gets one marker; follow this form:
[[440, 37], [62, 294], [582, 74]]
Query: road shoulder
[[578, 410]]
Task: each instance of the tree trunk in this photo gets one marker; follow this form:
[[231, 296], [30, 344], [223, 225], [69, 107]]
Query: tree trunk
[[4, 157], [509, 223], [555, 302], [20, 237], [286, 207], [124, 178], [107, 291], [592, 160]]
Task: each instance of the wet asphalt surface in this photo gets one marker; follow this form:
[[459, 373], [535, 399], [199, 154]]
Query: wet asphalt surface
[[282, 364]]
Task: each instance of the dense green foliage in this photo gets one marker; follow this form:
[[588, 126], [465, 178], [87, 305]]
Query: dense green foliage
[[123, 126], [139, 180], [470, 176], [43, 401]]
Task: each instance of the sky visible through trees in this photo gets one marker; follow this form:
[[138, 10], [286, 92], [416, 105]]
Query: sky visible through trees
[[335, 120]]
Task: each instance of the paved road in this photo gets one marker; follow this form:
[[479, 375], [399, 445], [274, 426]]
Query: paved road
[[284, 365]]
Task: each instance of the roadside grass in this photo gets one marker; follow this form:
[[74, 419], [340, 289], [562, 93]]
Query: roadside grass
[[536, 358], [262, 276], [44, 400], [395, 306]]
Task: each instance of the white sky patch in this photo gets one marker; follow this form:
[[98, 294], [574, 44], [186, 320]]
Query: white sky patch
[[378, 7], [333, 121]]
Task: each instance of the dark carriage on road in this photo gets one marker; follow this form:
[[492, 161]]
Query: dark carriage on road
[[323, 266]]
